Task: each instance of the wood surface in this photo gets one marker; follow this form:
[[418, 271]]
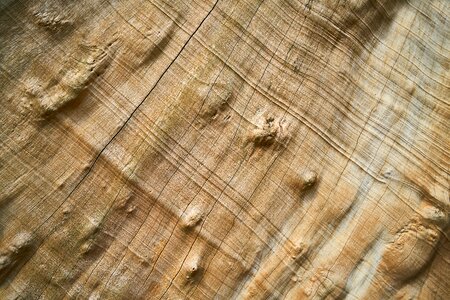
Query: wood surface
[[230, 149]]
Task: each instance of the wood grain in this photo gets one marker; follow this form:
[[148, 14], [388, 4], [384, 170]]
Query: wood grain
[[245, 149]]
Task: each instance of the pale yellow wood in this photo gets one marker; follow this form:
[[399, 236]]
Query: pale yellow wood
[[245, 149]]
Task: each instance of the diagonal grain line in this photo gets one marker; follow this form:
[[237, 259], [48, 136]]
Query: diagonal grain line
[[189, 39], [91, 167]]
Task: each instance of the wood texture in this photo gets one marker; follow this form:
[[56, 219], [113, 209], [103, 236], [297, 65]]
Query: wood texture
[[246, 149]]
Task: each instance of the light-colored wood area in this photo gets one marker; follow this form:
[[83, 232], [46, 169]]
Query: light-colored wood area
[[230, 149]]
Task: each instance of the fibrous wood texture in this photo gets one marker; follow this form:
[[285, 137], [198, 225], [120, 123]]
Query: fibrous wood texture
[[224, 149]]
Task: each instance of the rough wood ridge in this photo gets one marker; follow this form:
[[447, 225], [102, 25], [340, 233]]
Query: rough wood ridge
[[229, 149]]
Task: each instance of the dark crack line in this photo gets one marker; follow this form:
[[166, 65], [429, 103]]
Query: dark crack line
[[91, 167], [133, 112]]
